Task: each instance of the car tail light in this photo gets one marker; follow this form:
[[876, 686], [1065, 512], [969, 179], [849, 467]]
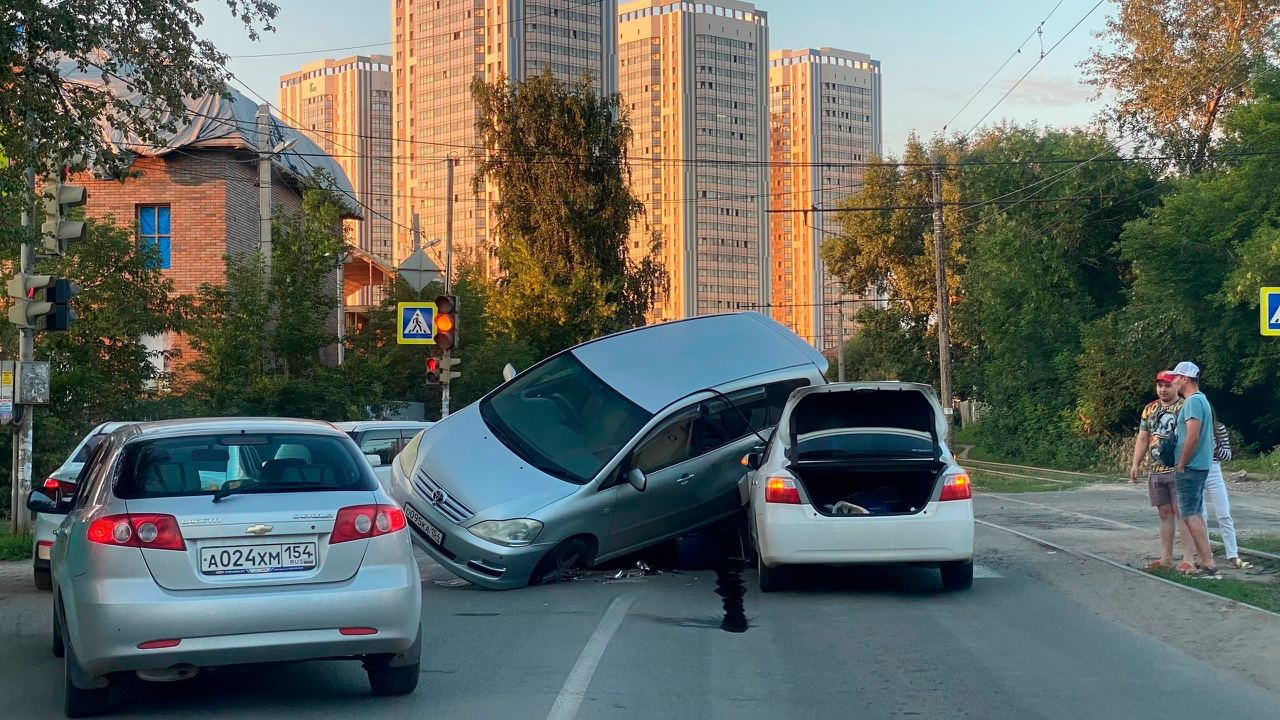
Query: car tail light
[[781, 490], [357, 631], [956, 486], [360, 522], [65, 487], [151, 531], [158, 644]]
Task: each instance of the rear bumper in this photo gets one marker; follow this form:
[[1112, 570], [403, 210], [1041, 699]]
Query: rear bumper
[[799, 535], [232, 627]]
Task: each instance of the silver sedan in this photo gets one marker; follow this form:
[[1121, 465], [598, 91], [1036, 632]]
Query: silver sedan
[[203, 543]]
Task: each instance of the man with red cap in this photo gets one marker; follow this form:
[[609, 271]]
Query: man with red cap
[[1159, 421]]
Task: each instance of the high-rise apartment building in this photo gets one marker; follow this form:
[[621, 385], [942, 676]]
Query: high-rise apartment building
[[693, 80], [824, 118], [345, 107], [439, 47]]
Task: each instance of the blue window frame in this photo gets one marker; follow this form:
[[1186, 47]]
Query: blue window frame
[[153, 229]]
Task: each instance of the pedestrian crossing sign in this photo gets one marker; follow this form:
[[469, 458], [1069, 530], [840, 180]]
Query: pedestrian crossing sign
[[1270, 310], [417, 323]]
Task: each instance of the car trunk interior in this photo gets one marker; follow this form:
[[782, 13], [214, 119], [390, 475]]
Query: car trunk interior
[[878, 452]]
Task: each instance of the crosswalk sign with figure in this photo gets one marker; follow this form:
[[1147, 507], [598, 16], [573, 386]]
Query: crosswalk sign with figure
[[417, 322], [1270, 307]]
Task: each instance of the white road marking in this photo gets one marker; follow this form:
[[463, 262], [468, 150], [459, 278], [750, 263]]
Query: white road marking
[[982, 571], [575, 687]]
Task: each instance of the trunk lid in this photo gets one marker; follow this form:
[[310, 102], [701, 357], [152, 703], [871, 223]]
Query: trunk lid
[[254, 539], [892, 412]]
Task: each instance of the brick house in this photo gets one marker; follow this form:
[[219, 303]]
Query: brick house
[[197, 199]]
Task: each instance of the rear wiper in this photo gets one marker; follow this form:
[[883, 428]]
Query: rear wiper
[[228, 489], [246, 487]]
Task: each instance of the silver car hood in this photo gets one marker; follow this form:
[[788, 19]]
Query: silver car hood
[[475, 468]]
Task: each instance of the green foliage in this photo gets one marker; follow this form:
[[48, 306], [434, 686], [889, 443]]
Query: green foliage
[[891, 344], [249, 366], [14, 547], [556, 156], [1175, 68]]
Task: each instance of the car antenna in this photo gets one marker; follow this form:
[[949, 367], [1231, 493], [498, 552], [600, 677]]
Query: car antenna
[[741, 414]]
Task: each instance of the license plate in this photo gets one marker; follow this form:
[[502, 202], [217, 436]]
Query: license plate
[[254, 559], [436, 536]]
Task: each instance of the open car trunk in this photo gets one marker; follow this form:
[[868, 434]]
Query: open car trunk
[[859, 489], [865, 449]]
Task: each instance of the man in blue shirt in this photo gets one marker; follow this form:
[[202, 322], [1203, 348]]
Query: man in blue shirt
[[1193, 450]]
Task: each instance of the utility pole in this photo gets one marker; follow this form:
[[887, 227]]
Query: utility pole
[[19, 518], [940, 272], [417, 234], [448, 271], [840, 334], [264, 186]]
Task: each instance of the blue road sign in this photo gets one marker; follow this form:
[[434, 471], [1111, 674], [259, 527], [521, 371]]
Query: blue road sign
[[1270, 308], [417, 323]]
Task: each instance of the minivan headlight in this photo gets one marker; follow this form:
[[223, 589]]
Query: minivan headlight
[[408, 457], [512, 533]]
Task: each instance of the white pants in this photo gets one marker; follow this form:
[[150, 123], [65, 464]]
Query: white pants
[[1215, 493]]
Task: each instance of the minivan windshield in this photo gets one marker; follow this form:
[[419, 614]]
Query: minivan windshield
[[257, 463], [563, 419]]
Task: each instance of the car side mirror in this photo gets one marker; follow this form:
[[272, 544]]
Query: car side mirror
[[39, 502], [752, 460], [637, 479], [508, 372], [374, 460]]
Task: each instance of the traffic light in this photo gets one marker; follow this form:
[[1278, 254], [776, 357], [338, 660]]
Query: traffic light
[[433, 370], [446, 335], [447, 372], [41, 302], [57, 231]]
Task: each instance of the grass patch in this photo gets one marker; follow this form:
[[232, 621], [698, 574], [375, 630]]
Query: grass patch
[[1265, 595], [994, 482], [1265, 466], [1265, 543], [15, 547]]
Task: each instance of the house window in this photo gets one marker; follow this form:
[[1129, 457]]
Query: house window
[[153, 229]]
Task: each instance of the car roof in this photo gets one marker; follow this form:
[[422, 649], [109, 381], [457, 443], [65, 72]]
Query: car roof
[[358, 425], [198, 426], [710, 351]]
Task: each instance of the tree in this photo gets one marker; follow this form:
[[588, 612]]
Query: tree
[[101, 369], [890, 249], [232, 336], [151, 47], [1177, 66], [891, 344], [556, 156]]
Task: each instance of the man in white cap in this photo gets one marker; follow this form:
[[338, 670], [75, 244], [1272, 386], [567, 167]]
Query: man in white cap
[[1193, 451]]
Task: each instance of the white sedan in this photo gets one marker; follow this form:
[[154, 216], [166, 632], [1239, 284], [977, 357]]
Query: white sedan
[[859, 474]]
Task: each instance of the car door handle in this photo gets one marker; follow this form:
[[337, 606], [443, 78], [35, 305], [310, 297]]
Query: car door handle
[[684, 479]]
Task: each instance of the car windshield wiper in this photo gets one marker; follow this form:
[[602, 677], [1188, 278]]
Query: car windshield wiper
[[259, 485]]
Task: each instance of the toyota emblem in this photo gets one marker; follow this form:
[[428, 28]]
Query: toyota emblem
[[437, 496]]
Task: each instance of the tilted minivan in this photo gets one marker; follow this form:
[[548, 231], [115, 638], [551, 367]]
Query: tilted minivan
[[602, 449]]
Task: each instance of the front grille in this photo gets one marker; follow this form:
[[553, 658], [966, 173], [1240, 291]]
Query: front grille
[[449, 506]]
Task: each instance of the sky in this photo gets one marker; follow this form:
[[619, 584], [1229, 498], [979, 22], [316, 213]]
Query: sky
[[934, 54]]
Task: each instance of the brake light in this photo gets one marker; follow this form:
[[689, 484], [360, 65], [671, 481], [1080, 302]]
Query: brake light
[[956, 486], [360, 522], [150, 531], [781, 490], [66, 487]]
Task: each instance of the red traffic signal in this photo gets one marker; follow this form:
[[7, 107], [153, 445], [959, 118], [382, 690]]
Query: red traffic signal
[[433, 370]]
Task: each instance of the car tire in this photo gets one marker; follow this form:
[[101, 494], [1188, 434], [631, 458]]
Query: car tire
[[560, 561], [58, 645], [43, 578], [76, 702], [771, 579], [386, 680], [957, 575]]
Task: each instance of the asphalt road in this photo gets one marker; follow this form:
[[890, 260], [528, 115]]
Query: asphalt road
[[1038, 636]]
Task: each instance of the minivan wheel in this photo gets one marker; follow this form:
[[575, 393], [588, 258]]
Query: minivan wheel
[[957, 575], [387, 680], [561, 561], [78, 703], [43, 578]]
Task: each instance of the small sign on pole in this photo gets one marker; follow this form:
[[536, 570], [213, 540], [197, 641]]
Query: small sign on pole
[[6, 392], [416, 323], [1269, 307]]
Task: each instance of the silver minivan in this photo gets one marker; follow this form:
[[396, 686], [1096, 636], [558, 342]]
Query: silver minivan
[[602, 449]]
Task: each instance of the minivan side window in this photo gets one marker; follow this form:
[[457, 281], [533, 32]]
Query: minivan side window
[[669, 445], [751, 410], [383, 443]]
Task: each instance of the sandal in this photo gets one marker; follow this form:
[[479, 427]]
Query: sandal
[[1187, 568], [1207, 573], [1239, 564], [1158, 565]]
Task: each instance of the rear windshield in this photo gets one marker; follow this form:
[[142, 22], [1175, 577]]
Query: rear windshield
[[269, 463]]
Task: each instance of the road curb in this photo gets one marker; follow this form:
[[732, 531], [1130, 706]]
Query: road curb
[[1090, 556]]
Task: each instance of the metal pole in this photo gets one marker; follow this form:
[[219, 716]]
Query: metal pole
[[264, 185], [448, 274], [20, 519], [417, 234], [840, 345], [940, 271], [342, 308]]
